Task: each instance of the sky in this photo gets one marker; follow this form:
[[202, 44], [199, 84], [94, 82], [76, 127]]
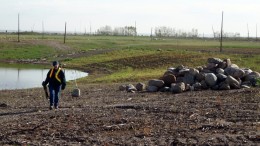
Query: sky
[[80, 15]]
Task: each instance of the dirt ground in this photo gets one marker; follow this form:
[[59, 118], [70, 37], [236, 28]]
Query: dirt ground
[[103, 115]]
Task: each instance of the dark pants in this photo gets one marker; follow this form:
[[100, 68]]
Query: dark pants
[[54, 95]]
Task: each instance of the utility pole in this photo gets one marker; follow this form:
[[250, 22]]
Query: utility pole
[[135, 29], [18, 27], [151, 34], [221, 33], [65, 32], [89, 28], [247, 32], [42, 30], [213, 32], [256, 32]]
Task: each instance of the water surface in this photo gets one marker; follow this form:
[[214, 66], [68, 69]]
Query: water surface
[[16, 78]]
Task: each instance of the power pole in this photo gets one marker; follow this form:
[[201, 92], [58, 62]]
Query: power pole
[[151, 34], [135, 29], [18, 27], [247, 32], [65, 32], [221, 33], [213, 32], [42, 30], [256, 32]]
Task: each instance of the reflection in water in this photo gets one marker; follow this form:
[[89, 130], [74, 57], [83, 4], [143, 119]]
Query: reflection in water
[[13, 78]]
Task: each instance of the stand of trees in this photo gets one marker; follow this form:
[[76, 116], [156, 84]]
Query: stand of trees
[[164, 31], [117, 31]]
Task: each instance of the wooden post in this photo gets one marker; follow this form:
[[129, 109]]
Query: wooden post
[[18, 28], [42, 30], [256, 32], [247, 32], [65, 32], [221, 33]]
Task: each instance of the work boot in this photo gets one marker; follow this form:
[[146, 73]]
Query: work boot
[[51, 107]]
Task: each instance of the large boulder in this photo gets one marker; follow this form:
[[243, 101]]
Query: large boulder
[[189, 78], [169, 79], [200, 77], [252, 75], [211, 79], [156, 83], [232, 82], [235, 72], [152, 88], [228, 62], [140, 86], [224, 86], [194, 71], [221, 77], [214, 60], [178, 87]]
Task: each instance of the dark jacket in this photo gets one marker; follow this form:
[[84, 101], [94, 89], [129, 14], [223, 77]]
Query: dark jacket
[[56, 78]]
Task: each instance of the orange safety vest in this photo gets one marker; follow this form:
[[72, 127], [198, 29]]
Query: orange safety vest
[[56, 75]]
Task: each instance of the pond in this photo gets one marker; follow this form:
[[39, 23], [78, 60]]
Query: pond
[[16, 78]]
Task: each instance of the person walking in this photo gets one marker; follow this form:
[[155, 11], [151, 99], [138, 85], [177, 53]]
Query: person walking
[[57, 82]]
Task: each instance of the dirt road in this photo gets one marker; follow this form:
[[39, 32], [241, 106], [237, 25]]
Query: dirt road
[[103, 115]]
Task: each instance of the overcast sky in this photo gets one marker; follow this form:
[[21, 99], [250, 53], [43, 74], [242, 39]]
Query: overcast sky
[[179, 14]]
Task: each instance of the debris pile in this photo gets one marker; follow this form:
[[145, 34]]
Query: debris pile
[[217, 74]]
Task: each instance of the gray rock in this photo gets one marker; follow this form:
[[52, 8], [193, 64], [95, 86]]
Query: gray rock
[[179, 79], [215, 87], [199, 68], [220, 71], [200, 77], [214, 60], [156, 82], [224, 86], [75, 92], [130, 88], [204, 85], [234, 72], [193, 71], [222, 65], [165, 89], [189, 79], [221, 77], [140, 86], [178, 87], [247, 71], [211, 79], [234, 66], [182, 72], [252, 75], [232, 82], [247, 83], [152, 89], [245, 86], [228, 61], [180, 67], [169, 79], [197, 86], [211, 66]]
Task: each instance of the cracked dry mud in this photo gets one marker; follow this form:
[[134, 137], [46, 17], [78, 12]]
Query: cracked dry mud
[[103, 115]]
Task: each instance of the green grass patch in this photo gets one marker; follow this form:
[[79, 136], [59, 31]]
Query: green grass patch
[[24, 51]]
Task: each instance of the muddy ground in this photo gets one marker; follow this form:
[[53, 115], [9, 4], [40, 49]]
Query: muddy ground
[[103, 115]]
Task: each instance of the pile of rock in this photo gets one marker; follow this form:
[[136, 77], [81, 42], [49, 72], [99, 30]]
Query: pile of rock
[[216, 75]]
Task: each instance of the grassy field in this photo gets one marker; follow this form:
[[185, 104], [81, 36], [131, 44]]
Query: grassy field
[[123, 59]]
